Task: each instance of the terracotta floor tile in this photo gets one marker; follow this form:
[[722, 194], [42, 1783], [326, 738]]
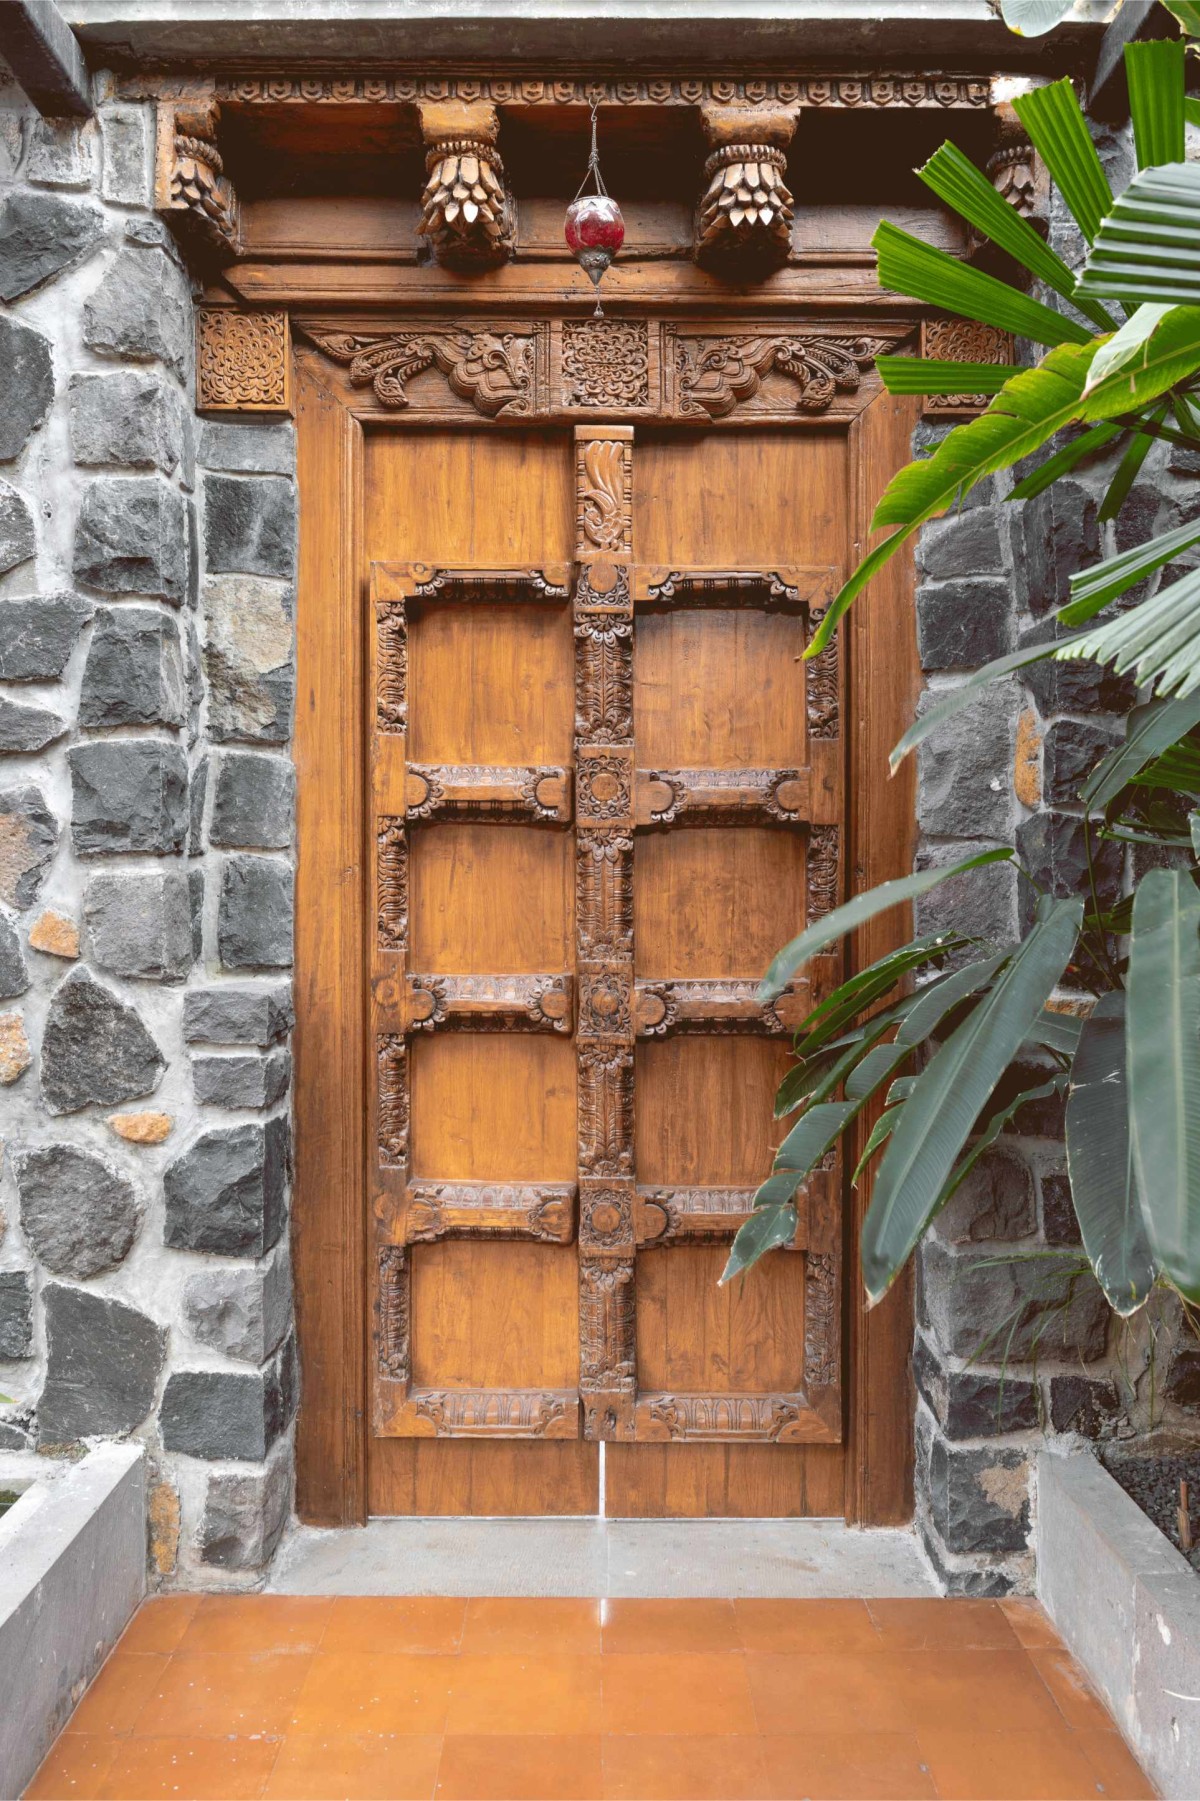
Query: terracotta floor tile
[[1081, 1706], [260, 1624], [846, 1766], [497, 1624], [386, 1625], [515, 1767], [838, 1691], [354, 1691], [1116, 1766], [918, 1625], [357, 1767], [813, 1626], [668, 1627], [1031, 1623], [189, 1769], [969, 1765], [76, 1765], [160, 1623], [525, 1694], [119, 1692], [203, 1696], [665, 1695], [683, 1767], [897, 1691]]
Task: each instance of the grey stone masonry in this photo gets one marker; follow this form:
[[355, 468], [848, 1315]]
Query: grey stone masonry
[[147, 570]]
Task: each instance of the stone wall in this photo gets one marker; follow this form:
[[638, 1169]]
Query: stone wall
[[147, 563], [1015, 1347]]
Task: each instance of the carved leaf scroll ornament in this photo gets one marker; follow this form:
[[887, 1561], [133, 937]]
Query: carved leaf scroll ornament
[[492, 370], [714, 375]]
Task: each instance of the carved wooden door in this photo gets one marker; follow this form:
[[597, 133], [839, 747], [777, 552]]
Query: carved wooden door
[[605, 788]]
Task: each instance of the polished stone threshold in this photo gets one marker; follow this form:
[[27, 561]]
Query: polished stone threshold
[[805, 1559]]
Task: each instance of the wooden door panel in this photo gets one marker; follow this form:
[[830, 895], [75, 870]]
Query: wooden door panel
[[604, 791]]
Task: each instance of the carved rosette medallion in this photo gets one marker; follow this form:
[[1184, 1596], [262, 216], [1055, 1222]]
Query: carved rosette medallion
[[606, 363], [962, 341], [243, 362]]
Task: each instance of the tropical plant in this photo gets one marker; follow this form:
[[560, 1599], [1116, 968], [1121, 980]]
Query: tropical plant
[[1121, 1045]]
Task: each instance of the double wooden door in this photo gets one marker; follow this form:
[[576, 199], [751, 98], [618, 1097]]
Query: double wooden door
[[604, 787]]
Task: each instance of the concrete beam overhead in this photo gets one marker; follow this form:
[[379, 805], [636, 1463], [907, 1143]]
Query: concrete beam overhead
[[628, 36]]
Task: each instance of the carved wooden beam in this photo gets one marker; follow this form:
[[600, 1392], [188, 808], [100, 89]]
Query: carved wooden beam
[[744, 221], [544, 1212], [539, 1003], [191, 189], [715, 1006], [471, 791], [1016, 171], [467, 214], [724, 796]]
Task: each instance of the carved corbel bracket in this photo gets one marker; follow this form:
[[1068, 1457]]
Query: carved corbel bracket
[[191, 189], [1019, 176], [744, 221], [467, 213]]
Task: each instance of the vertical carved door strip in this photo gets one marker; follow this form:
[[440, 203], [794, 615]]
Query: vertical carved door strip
[[603, 1001]]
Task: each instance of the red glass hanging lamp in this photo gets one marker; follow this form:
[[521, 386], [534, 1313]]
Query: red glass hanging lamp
[[594, 227]]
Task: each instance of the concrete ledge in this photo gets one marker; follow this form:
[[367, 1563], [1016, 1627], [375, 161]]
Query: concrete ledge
[[1128, 1606], [72, 1571]]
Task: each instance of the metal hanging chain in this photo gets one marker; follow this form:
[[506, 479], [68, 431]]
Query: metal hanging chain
[[593, 168]]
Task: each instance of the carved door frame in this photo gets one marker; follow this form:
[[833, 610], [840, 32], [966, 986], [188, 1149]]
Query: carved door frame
[[349, 374]]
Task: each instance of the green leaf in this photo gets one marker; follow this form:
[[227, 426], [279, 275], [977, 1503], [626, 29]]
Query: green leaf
[[961, 696], [1128, 470], [1159, 640], [1149, 731], [1177, 770], [951, 1092], [1171, 355], [1127, 345], [940, 998], [996, 1124], [1147, 248], [1057, 1031], [929, 375], [956, 180], [857, 912], [1059, 133], [1188, 14], [1162, 1037], [1154, 73], [1047, 473], [811, 1136], [866, 986], [1030, 18], [881, 1131], [910, 266], [875, 1068], [1030, 408], [766, 1229], [1092, 589], [1100, 1161]]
